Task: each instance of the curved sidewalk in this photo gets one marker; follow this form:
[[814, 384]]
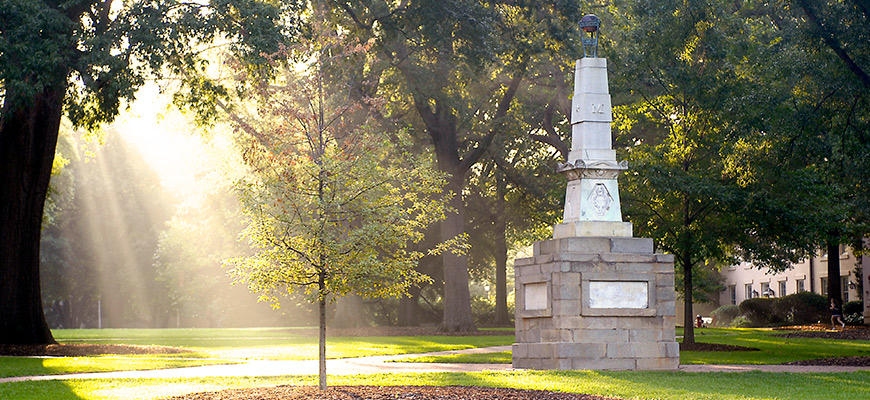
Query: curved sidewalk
[[378, 365]]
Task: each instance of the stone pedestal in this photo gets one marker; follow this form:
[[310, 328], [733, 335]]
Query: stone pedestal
[[595, 303]]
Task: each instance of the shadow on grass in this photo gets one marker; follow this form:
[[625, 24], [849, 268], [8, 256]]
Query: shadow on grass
[[55, 390]]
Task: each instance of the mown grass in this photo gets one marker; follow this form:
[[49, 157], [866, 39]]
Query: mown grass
[[227, 346], [626, 385], [773, 349], [26, 366], [503, 357], [277, 343]]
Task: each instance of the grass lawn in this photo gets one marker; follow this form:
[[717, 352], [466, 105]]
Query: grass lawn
[[24, 366], [277, 343], [773, 349], [626, 384], [227, 346]]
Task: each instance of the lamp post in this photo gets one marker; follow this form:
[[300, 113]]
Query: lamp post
[[591, 25]]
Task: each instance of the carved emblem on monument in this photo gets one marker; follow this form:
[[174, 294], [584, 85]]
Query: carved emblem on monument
[[600, 199]]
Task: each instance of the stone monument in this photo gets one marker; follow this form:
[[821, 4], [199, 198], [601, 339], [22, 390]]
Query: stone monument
[[594, 297]]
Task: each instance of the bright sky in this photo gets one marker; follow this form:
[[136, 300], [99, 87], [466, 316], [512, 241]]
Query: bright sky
[[186, 163]]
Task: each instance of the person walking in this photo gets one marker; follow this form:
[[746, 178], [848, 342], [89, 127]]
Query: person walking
[[836, 313]]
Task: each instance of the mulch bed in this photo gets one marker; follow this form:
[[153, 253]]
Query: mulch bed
[[713, 347], [857, 361], [84, 349], [825, 332], [387, 393]]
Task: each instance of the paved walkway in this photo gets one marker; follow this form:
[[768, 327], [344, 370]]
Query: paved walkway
[[378, 364]]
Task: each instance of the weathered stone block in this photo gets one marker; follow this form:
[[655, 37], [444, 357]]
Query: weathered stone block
[[542, 350], [631, 245], [667, 308], [665, 258], [665, 293], [579, 257], [658, 363], [591, 245], [567, 292], [520, 350], [637, 350], [580, 350], [604, 364], [665, 280], [519, 262], [628, 258], [566, 307], [645, 335], [600, 335], [633, 267]]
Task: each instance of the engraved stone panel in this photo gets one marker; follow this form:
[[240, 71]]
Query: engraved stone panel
[[616, 294], [536, 296]]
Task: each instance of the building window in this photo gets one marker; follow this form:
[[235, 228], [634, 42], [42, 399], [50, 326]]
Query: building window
[[748, 294], [782, 290], [800, 285], [824, 286], [732, 291], [765, 289], [844, 287]]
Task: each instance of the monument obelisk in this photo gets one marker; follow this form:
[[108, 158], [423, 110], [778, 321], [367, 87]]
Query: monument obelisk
[[594, 297]]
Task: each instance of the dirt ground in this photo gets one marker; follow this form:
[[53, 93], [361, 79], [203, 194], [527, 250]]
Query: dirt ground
[[387, 393]]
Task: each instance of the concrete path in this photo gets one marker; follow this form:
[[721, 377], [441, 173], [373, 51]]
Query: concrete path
[[379, 364]]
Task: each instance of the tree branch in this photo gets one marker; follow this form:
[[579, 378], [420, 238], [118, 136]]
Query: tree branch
[[829, 39]]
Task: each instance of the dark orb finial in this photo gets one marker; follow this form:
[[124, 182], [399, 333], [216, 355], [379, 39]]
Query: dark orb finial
[[590, 24]]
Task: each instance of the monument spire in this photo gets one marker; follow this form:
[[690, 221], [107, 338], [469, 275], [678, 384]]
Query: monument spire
[[592, 206]]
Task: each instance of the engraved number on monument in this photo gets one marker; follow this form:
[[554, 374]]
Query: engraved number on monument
[[536, 296], [600, 199], [598, 108], [618, 294]]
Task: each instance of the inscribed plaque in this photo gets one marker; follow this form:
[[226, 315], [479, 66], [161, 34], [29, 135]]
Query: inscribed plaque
[[618, 294]]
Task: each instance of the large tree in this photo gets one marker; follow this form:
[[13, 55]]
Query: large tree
[[332, 211], [706, 181], [84, 59], [456, 67]]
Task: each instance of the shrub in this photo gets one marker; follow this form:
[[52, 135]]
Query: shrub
[[802, 308], [853, 312], [723, 315], [759, 311], [740, 322]]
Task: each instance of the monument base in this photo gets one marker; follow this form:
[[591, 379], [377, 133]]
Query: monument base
[[600, 303], [592, 228]]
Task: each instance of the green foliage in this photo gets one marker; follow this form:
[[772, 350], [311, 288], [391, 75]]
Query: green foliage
[[801, 308], [759, 311], [331, 210], [102, 52], [723, 315], [853, 312]]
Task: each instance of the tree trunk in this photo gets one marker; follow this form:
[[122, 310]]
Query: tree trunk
[[322, 344], [28, 137], [689, 318], [409, 308], [835, 290], [349, 312], [457, 299], [501, 256]]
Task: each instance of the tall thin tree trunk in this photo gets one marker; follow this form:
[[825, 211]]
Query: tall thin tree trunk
[[501, 254], [457, 298], [28, 137], [409, 308], [688, 318], [835, 289]]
